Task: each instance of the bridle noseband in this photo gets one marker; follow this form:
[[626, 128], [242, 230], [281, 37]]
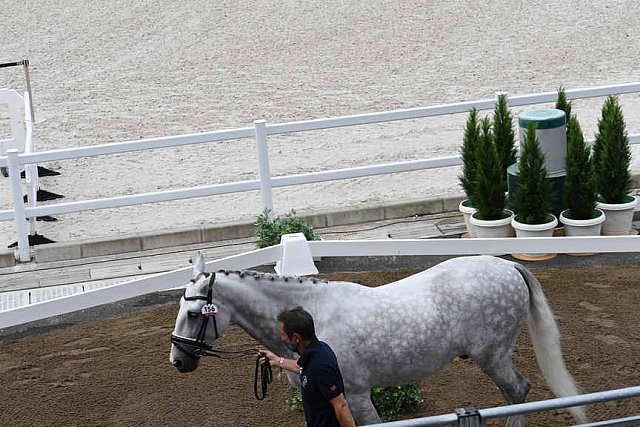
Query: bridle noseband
[[208, 311]]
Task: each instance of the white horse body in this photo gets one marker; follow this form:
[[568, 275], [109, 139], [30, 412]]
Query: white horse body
[[406, 330]]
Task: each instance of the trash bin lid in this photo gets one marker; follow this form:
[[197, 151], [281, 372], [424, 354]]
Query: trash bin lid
[[546, 118]]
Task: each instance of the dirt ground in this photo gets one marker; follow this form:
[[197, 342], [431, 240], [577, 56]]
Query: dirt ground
[[117, 373]]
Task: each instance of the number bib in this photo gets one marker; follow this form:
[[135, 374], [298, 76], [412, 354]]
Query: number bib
[[209, 310]]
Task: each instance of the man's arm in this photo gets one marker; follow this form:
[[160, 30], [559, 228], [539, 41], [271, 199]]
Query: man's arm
[[343, 413], [290, 365]]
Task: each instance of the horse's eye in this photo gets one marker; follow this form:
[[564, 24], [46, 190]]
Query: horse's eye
[[193, 314]]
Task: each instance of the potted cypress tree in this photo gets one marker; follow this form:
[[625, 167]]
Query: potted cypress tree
[[504, 136], [468, 176], [611, 159], [581, 218], [531, 203], [563, 104], [491, 219]]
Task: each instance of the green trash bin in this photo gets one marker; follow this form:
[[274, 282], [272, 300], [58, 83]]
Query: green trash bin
[[551, 132]]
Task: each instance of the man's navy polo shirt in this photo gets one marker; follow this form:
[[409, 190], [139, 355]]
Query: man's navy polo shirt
[[321, 381]]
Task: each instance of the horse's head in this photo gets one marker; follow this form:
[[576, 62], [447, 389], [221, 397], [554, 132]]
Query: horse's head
[[200, 321]]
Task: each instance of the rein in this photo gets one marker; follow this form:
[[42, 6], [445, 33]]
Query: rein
[[201, 348]]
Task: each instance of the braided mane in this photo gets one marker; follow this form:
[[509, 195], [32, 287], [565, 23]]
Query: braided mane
[[258, 275]]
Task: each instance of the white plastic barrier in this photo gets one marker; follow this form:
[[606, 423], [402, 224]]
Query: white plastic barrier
[[21, 141], [15, 104], [296, 256], [31, 169]]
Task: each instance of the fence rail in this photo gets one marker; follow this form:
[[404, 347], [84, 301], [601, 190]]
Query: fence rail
[[453, 108], [132, 288], [473, 418], [260, 132], [325, 248]]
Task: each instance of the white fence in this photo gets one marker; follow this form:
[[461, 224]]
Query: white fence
[[470, 417], [343, 248], [260, 132]]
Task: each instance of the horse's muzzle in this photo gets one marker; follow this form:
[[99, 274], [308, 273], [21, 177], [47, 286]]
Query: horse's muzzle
[[185, 365]]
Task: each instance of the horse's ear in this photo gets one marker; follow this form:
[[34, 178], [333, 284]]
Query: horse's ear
[[213, 279], [198, 264]]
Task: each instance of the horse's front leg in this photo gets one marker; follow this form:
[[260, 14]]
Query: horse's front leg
[[362, 408], [294, 379]]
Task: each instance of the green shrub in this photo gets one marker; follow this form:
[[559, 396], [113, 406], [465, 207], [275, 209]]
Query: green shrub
[[532, 201], [269, 231], [579, 185], [468, 152], [504, 136], [489, 199], [611, 155], [294, 401], [390, 402]]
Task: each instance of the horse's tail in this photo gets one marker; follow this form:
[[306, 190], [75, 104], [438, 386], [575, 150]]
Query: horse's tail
[[545, 337]]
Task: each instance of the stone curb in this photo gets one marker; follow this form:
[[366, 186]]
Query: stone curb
[[7, 258], [227, 231]]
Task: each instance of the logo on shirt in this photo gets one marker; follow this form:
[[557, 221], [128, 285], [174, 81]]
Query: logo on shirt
[[303, 381]]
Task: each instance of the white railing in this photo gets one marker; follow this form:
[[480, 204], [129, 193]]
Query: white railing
[[31, 170], [469, 417], [260, 132], [325, 248], [131, 289]]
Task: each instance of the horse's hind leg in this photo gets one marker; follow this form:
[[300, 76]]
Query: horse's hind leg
[[512, 384]]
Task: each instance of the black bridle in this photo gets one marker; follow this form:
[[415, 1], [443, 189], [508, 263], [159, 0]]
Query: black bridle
[[198, 346], [208, 311]]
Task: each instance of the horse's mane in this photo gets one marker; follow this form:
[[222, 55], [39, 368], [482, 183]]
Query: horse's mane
[[258, 275]]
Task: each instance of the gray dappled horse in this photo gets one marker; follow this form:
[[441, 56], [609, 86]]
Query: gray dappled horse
[[393, 334]]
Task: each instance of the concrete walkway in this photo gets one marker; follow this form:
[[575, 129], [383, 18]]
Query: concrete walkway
[[28, 283]]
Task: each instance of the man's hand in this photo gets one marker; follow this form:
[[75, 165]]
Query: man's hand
[[266, 355]]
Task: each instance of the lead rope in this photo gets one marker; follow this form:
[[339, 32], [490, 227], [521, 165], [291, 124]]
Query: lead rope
[[266, 377], [262, 372]]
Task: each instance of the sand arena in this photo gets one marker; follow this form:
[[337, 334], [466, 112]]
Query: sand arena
[[117, 372], [124, 71]]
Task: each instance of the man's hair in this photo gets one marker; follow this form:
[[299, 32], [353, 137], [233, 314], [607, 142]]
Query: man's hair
[[297, 320]]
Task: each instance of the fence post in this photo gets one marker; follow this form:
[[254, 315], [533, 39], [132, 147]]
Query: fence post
[[469, 417], [262, 150], [18, 206], [30, 170], [25, 66]]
